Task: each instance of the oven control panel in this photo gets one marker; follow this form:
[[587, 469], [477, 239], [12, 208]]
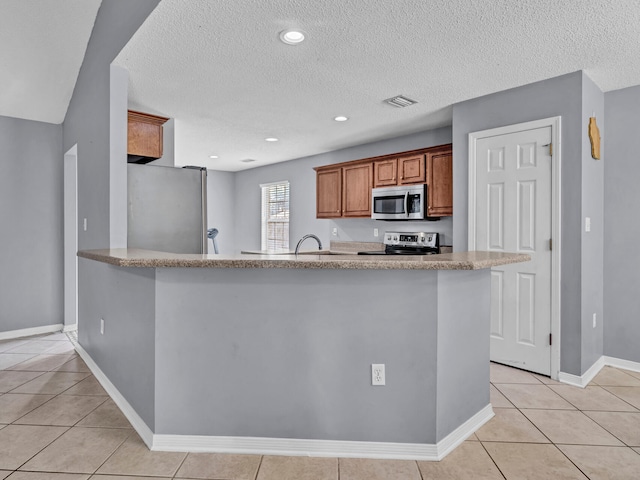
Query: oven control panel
[[412, 239]]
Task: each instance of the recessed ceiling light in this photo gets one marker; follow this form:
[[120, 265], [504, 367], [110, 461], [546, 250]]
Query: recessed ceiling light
[[341, 118], [248, 160], [213, 156], [292, 37], [271, 139]]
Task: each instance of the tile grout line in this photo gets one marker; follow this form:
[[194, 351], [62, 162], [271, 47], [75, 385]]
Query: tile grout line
[[585, 415], [604, 387], [520, 410], [492, 459], [68, 428], [541, 432], [113, 453], [180, 466], [259, 467], [607, 430], [419, 471], [40, 451], [54, 396]]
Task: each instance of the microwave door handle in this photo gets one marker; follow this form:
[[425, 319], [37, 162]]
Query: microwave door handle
[[406, 203]]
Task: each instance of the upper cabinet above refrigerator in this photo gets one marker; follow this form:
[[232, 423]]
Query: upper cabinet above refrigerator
[[144, 137]]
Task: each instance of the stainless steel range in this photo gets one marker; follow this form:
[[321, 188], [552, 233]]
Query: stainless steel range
[[408, 243]]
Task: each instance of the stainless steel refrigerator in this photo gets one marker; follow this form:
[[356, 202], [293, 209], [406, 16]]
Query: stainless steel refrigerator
[[167, 208]]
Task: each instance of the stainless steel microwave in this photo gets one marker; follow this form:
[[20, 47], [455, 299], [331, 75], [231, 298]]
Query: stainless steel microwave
[[404, 202]]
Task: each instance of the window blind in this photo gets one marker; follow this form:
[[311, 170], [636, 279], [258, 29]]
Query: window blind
[[275, 216]]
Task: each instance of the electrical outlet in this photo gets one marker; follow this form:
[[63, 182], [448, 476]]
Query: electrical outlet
[[377, 374], [102, 326], [587, 224], [84, 224], [594, 320], [375, 232], [334, 232]]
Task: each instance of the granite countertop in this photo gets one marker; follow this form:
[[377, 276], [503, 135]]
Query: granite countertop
[[124, 257], [335, 248]]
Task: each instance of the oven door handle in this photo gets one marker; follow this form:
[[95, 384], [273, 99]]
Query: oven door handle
[[406, 203]]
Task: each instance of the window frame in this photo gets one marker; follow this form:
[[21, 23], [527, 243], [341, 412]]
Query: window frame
[[269, 197]]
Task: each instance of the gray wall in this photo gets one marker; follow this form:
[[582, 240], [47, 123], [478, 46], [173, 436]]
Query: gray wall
[[88, 124], [31, 219], [302, 180], [622, 262], [560, 96], [299, 368], [88, 117], [125, 299], [118, 91], [592, 268], [168, 145], [220, 209], [464, 313]]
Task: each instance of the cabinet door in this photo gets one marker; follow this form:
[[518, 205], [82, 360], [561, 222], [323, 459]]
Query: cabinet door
[[412, 169], [440, 183], [144, 134], [329, 193], [356, 190], [385, 173], [144, 139]]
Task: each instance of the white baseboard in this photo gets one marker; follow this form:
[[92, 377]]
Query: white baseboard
[[28, 332], [584, 379], [136, 421], [323, 448], [287, 446], [623, 364], [294, 447], [70, 328], [464, 431]]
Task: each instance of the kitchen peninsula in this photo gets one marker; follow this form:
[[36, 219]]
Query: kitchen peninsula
[[273, 354]]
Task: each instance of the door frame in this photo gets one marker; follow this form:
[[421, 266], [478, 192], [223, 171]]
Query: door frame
[[70, 164], [556, 163]]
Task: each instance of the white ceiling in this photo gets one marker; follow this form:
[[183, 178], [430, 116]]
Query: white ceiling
[[42, 45], [219, 69]]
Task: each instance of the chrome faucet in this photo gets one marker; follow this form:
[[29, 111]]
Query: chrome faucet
[[309, 235]]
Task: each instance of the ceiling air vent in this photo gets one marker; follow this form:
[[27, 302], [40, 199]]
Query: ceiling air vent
[[400, 101]]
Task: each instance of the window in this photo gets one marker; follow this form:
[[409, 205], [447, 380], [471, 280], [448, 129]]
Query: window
[[275, 216]]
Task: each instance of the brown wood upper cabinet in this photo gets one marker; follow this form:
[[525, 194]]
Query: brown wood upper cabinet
[[403, 170], [412, 169], [344, 189], [440, 182], [356, 190], [329, 193], [385, 172], [144, 134]]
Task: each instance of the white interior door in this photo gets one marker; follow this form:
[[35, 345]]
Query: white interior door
[[514, 214]]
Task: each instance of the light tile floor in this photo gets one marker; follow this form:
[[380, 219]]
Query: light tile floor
[[57, 423]]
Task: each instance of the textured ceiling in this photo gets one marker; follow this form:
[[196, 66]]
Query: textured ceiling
[[42, 45], [221, 71]]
